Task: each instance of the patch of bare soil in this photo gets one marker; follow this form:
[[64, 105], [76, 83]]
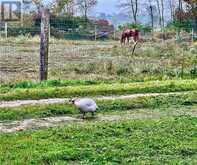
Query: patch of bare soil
[[15, 126], [17, 103]]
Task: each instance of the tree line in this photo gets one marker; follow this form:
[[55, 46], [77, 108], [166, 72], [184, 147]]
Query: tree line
[[181, 11]]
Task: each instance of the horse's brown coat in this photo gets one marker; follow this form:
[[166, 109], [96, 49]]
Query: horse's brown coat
[[128, 33]]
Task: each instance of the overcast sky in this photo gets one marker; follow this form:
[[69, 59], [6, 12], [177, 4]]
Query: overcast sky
[[106, 6]]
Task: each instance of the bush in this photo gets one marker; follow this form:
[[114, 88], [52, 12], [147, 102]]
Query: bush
[[184, 25], [67, 27], [141, 27], [193, 71], [18, 31]]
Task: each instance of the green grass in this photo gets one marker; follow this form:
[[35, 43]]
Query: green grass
[[98, 89], [105, 106], [161, 141], [50, 83]]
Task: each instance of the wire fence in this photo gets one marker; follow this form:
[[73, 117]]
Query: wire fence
[[20, 47], [76, 47]]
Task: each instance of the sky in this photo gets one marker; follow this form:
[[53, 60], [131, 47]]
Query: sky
[[103, 6], [106, 6]]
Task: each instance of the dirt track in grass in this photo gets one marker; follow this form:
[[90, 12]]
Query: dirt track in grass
[[15, 126], [17, 103]]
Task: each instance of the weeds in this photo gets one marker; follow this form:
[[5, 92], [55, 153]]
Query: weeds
[[86, 60]]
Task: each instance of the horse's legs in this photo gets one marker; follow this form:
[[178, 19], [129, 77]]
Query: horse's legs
[[133, 38], [124, 41], [127, 39]]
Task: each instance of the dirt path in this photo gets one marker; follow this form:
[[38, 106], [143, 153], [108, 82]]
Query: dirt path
[[15, 126], [17, 103]]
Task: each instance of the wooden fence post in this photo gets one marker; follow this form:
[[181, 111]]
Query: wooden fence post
[[44, 44]]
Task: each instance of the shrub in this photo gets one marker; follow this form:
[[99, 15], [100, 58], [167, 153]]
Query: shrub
[[141, 27], [193, 71], [18, 31]]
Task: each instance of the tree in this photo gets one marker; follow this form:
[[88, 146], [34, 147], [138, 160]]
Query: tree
[[63, 6], [160, 7], [151, 9], [172, 5], [162, 14], [192, 11], [38, 4], [186, 15], [159, 13], [132, 6], [180, 9], [85, 5]]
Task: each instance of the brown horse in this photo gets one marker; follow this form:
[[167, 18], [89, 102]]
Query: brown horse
[[128, 33]]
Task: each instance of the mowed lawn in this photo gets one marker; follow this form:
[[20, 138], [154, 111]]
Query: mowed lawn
[[156, 141]]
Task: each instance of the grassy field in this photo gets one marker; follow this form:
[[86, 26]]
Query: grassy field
[[160, 130], [36, 91], [151, 129], [101, 60], [157, 141]]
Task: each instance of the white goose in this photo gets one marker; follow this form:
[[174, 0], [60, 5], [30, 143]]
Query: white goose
[[85, 105]]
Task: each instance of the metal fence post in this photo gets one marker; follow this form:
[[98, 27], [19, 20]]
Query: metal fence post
[[44, 44], [6, 30], [114, 34], [192, 35], [49, 31], [95, 32]]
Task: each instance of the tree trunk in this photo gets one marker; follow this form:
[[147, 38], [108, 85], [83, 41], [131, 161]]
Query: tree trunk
[[85, 15], [172, 9], [162, 14], [162, 18], [86, 11], [180, 11], [152, 17], [134, 8], [159, 12]]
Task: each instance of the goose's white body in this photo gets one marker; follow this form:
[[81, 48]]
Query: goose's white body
[[86, 105]]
